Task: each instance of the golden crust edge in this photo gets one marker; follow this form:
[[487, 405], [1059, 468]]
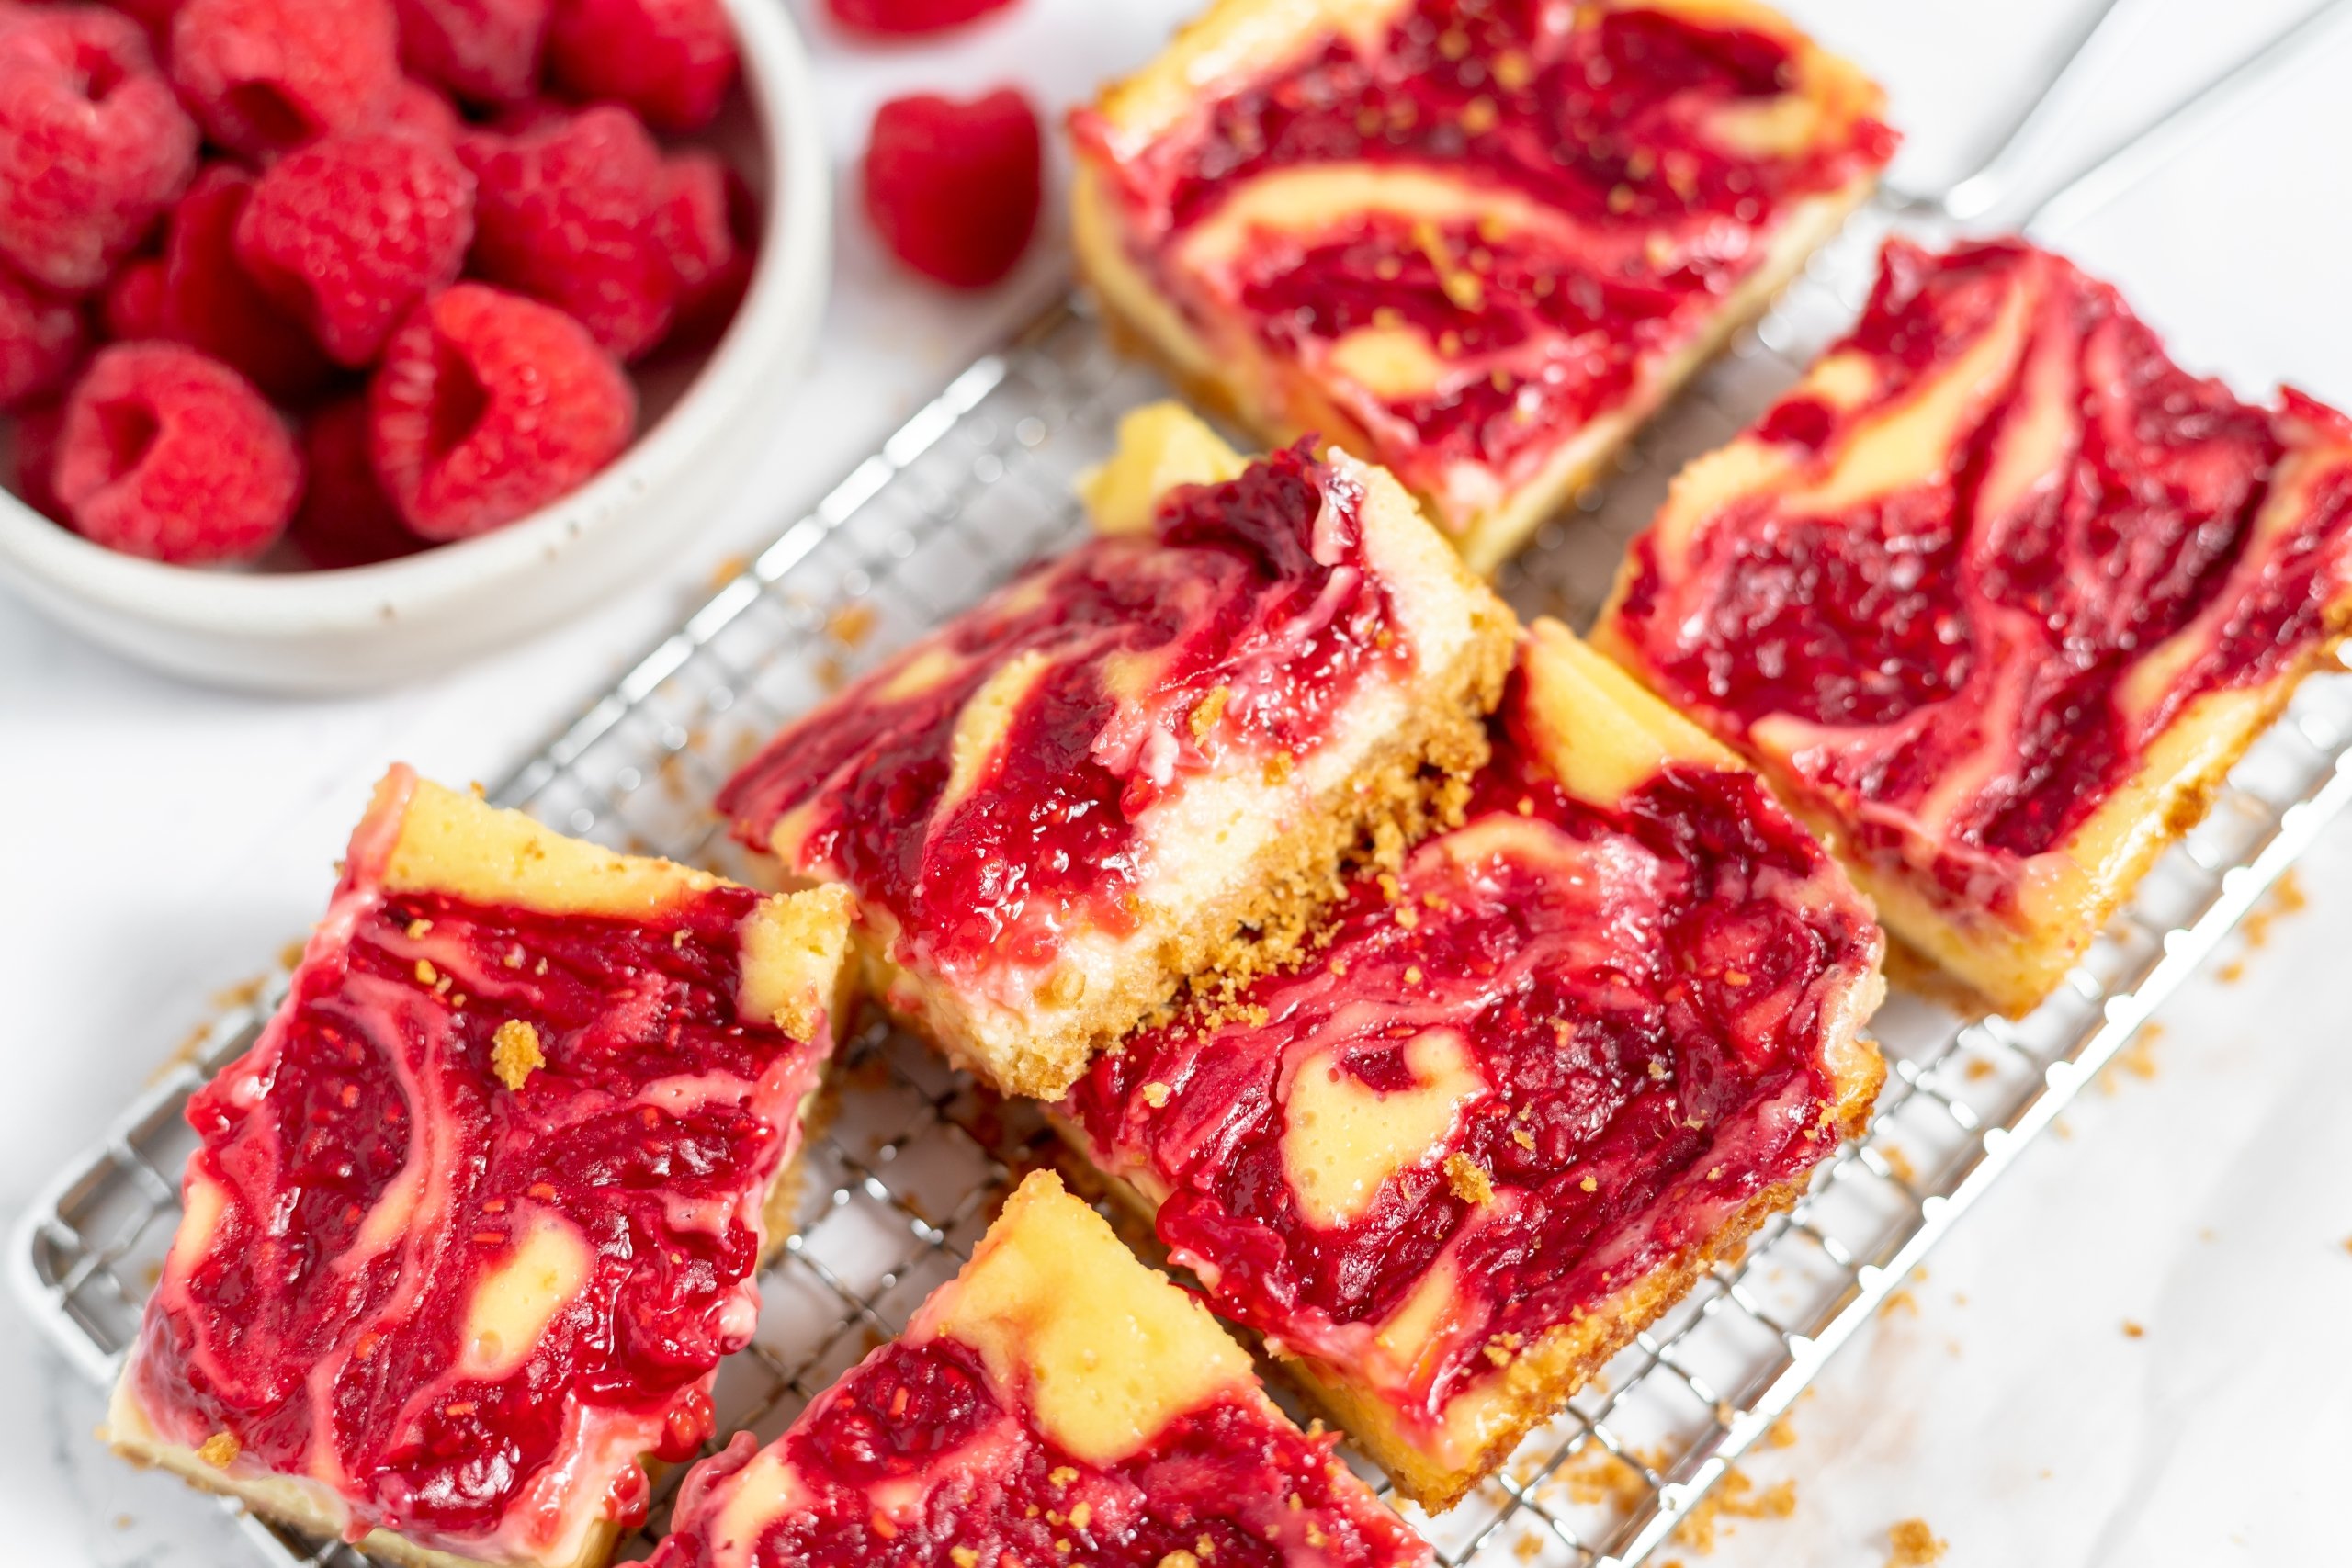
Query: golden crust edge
[[1298, 876]]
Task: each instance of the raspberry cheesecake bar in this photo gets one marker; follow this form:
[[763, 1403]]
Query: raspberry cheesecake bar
[[1101, 779], [1477, 243], [475, 1219], [1524, 1090], [1056, 1403], [1995, 596]]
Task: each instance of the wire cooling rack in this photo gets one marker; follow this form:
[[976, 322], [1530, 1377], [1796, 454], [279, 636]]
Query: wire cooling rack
[[905, 1172]]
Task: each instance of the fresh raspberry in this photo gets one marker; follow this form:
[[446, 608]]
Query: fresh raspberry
[[33, 458], [564, 212], [172, 455], [133, 306], [904, 18], [671, 60], [266, 76], [350, 232], [421, 109], [488, 407], [209, 302], [485, 51], [709, 228], [93, 147], [42, 339], [345, 519], [953, 189]]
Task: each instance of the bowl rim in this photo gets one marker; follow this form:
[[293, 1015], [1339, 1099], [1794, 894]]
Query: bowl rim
[[794, 248]]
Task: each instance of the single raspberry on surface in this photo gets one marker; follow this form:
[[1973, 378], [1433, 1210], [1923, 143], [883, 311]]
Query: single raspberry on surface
[[42, 338], [420, 108], [30, 442], [173, 455], [346, 518], [94, 145], [133, 306], [486, 52], [671, 60], [266, 76], [908, 18], [488, 406], [953, 189], [212, 304], [709, 222], [564, 211], [348, 234]]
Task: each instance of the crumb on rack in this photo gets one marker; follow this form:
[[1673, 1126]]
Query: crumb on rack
[[1911, 1544], [852, 623], [515, 1053]]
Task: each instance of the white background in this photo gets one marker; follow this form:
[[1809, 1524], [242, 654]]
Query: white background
[[160, 841]]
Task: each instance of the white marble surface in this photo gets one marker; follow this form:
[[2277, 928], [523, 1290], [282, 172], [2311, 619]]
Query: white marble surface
[[161, 842]]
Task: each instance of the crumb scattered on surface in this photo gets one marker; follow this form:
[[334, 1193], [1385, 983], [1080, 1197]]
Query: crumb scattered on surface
[[2133, 1330], [1911, 1544], [2138, 1057], [515, 1053], [220, 1451], [1899, 1166], [1978, 1068], [1735, 1497], [1469, 1181], [725, 570]]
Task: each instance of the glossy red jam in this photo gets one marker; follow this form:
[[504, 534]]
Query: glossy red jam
[[918, 1458], [1640, 997], [1230, 636], [1933, 630], [375, 1167], [1598, 116]]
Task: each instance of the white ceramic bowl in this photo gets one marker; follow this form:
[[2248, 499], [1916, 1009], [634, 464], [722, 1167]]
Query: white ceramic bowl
[[373, 625]]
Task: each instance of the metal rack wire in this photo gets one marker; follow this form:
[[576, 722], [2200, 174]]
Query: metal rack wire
[[904, 1178]]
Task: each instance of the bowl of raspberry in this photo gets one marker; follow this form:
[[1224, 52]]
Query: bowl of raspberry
[[344, 340]]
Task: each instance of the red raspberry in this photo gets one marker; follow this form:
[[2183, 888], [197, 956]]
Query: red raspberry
[[953, 189], [350, 232], [421, 109], [174, 456], [564, 212], [34, 460], [488, 407], [42, 339], [487, 51], [266, 76], [133, 308], [93, 145], [209, 302], [709, 228], [346, 518], [902, 18], [671, 60]]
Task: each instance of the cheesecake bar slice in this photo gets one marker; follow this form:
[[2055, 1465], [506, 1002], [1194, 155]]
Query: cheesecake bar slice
[[1057, 1402], [475, 1219], [1995, 596], [1523, 1091], [1132, 758], [1477, 243]]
